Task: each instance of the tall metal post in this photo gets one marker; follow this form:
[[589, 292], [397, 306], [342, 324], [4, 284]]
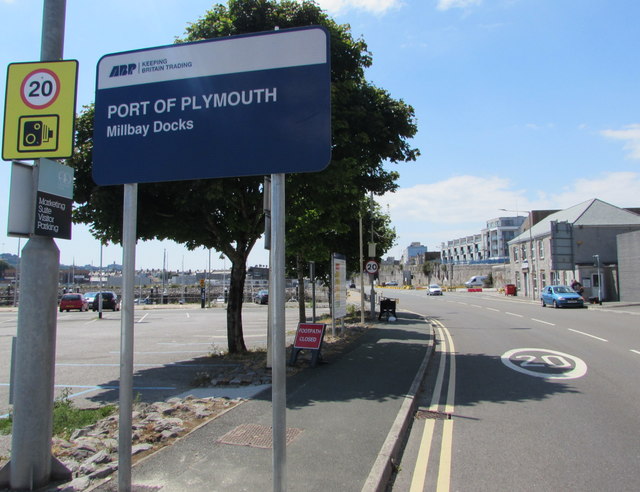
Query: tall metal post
[[372, 254], [276, 310], [129, 223], [312, 275], [32, 465], [361, 272]]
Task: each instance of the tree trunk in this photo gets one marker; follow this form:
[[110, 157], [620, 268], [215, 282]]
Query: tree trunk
[[235, 337], [302, 314]]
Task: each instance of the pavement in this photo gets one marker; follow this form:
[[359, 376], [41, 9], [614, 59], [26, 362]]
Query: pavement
[[346, 420]]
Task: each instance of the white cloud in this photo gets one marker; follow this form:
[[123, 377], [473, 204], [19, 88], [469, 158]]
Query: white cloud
[[630, 134], [617, 188], [373, 6], [460, 199], [433, 213], [452, 4]]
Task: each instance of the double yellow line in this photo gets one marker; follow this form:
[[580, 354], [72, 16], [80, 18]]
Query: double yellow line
[[447, 351]]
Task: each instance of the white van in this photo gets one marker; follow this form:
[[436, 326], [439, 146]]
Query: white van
[[476, 281]]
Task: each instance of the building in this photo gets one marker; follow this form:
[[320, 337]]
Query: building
[[629, 266], [410, 254], [496, 236], [578, 243]]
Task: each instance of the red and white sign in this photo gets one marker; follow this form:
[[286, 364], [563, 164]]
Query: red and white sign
[[40, 88], [309, 336], [371, 267]]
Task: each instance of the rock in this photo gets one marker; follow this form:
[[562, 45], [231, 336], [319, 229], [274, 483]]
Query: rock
[[100, 458], [77, 484], [139, 448], [104, 472]]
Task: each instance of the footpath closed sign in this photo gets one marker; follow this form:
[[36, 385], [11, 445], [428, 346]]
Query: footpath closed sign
[[234, 106]]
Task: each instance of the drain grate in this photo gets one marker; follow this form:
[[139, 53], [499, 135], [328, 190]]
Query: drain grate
[[256, 436], [431, 415]]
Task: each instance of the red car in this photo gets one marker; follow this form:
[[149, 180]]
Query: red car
[[73, 301]]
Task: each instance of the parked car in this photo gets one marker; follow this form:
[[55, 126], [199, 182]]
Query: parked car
[[90, 297], [73, 301], [262, 297], [560, 296], [434, 290], [476, 281], [109, 301]]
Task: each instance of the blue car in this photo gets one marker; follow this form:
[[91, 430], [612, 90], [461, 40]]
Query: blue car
[[561, 296]]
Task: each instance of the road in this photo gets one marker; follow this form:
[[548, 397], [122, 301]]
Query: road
[[169, 344], [521, 397]]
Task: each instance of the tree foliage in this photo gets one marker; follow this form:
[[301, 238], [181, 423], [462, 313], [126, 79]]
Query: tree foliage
[[369, 128]]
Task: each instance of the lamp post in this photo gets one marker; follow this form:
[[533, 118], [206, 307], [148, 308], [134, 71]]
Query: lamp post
[[533, 270]]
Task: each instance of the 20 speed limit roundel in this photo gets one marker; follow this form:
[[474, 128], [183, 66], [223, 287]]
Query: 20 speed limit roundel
[[40, 88], [371, 266]]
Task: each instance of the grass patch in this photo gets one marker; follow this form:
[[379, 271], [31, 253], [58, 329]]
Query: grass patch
[[66, 417], [5, 426]]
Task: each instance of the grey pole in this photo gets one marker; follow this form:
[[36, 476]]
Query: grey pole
[[312, 274], [361, 273], [276, 310], [32, 465], [129, 223], [372, 256], [31, 458]]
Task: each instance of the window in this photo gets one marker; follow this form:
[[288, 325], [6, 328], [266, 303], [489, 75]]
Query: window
[[515, 253], [541, 249]]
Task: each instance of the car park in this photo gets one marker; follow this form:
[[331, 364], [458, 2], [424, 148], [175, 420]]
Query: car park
[[434, 290], [560, 296], [110, 300], [262, 297], [73, 301]]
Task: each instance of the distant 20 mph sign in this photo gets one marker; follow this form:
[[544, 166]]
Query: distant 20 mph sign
[[371, 267], [233, 106]]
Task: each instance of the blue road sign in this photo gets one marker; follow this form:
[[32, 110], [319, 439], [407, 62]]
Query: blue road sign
[[235, 106]]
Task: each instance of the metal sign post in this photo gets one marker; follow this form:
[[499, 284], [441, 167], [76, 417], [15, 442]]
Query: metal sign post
[[32, 465], [279, 348], [126, 335]]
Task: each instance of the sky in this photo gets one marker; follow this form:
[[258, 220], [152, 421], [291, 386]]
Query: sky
[[520, 105]]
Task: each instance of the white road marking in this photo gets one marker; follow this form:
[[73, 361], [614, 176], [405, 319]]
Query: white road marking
[[143, 318], [493, 309], [537, 358], [588, 335], [543, 322], [635, 351], [514, 314]]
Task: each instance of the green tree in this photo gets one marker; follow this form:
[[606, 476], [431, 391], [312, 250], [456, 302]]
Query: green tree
[[368, 126], [428, 268], [3, 267]]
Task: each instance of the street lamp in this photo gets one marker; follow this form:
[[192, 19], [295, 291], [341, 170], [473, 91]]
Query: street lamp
[[533, 269]]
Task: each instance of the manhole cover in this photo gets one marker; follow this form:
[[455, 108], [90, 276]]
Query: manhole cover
[[430, 415], [255, 436]]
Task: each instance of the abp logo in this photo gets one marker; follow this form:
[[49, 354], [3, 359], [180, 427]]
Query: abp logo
[[120, 70]]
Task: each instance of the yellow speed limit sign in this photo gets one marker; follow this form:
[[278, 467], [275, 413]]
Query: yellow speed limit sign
[[39, 110]]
